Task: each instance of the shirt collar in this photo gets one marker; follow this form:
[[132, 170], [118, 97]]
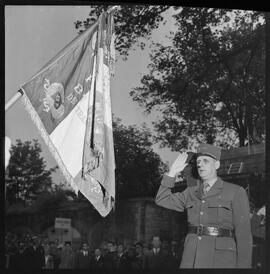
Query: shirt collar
[[212, 182]]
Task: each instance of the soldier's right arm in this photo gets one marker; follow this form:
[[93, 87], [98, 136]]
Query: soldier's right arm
[[167, 199]]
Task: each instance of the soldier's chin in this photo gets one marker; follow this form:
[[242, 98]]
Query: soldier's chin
[[202, 175]]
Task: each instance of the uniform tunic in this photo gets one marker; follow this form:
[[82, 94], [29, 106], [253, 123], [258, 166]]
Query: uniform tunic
[[225, 205]]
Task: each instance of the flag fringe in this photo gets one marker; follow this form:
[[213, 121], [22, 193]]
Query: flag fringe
[[36, 120]]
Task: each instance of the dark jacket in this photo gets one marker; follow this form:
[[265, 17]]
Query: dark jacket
[[34, 257], [225, 205], [156, 261], [96, 264], [82, 261], [122, 262], [109, 260]]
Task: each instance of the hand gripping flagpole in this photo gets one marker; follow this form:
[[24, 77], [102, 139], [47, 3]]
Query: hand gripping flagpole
[[19, 94]]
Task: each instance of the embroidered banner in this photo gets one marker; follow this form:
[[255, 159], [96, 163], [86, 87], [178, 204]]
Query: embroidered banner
[[69, 101]]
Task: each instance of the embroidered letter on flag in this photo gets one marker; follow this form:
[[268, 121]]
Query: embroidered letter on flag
[[69, 101]]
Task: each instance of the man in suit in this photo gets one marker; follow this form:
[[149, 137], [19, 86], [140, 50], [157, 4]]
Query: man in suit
[[82, 258], [121, 259], [97, 260], [109, 257], [34, 254], [155, 259], [219, 230]]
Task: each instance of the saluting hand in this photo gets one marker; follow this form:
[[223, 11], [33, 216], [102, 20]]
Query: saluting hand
[[178, 165]]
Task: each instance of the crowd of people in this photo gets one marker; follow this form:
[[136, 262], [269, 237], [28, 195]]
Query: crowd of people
[[35, 252], [32, 252]]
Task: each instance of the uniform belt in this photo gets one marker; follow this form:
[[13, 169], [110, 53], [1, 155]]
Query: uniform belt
[[210, 231]]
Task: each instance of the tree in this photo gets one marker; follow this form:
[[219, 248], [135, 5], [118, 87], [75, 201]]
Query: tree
[[138, 168], [27, 173], [209, 82]]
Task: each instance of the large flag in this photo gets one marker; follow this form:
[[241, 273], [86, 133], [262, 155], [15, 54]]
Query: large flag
[[69, 101]]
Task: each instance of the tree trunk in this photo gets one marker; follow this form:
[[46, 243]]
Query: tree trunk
[[242, 135]]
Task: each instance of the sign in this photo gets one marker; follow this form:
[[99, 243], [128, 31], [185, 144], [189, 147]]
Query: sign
[[63, 223]]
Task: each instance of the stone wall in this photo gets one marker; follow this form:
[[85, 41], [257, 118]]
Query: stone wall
[[131, 220]]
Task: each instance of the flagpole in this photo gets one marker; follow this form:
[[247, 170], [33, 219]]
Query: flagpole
[[13, 99]]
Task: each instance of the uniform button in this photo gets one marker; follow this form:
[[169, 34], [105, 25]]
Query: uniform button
[[201, 213], [203, 201], [199, 237]]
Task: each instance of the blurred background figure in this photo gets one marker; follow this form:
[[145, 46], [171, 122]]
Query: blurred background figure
[[109, 258], [176, 251], [139, 258], [258, 233], [122, 260], [19, 258], [155, 259], [97, 260], [67, 257], [82, 257], [54, 252], [34, 254], [49, 262]]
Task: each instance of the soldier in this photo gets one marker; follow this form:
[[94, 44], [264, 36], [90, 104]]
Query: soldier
[[219, 230]]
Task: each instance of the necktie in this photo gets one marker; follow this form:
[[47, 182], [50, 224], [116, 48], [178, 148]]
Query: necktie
[[206, 188]]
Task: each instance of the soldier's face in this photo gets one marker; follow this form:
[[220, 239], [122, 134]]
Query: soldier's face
[[207, 167]]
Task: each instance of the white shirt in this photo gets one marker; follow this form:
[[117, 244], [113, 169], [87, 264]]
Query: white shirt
[[156, 250]]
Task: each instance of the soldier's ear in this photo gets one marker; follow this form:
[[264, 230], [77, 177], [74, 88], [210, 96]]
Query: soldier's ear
[[217, 164]]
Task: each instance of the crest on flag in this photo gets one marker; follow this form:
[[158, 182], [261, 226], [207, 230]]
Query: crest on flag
[[55, 98], [69, 101]]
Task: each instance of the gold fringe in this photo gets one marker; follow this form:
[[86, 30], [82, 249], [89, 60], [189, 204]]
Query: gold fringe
[[37, 121]]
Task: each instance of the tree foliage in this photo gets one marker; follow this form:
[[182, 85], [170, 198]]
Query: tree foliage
[[27, 173], [138, 168], [132, 23], [209, 82], [211, 79]]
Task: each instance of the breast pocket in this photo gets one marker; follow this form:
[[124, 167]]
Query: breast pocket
[[221, 211]]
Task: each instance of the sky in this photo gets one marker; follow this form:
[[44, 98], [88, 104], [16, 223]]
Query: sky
[[33, 35]]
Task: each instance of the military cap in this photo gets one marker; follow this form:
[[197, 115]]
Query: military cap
[[209, 150]]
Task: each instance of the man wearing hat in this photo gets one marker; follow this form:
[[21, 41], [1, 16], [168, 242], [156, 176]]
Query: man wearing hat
[[219, 230]]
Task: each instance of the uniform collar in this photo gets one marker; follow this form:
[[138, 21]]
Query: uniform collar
[[217, 186], [211, 183]]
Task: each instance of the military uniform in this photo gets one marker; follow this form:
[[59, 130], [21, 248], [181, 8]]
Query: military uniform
[[225, 206]]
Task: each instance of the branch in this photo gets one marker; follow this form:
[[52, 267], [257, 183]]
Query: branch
[[237, 126]]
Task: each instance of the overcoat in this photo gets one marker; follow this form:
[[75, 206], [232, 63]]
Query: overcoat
[[225, 205]]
